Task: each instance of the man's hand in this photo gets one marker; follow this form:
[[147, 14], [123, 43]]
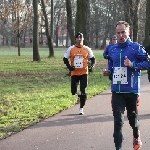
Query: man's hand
[[90, 69], [127, 62], [106, 57], [106, 72], [71, 68], [148, 58]]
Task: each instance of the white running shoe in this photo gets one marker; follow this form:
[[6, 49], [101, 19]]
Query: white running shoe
[[81, 111]]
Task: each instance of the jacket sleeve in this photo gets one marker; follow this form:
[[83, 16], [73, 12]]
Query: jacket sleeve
[[147, 49], [142, 62], [110, 65], [105, 53]]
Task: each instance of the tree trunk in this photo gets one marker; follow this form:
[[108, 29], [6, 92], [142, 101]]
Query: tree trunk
[[49, 40], [18, 32], [82, 19], [131, 9], [147, 24], [69, 22], [56, 30], [86, 22], [136, 20], [36, 56], [128, 14], [79, 17]]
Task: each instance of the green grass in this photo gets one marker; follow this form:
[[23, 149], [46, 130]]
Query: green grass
[[32, 91]]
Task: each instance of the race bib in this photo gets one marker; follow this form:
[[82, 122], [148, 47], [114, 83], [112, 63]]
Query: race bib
[[78, 62], [120, 75]]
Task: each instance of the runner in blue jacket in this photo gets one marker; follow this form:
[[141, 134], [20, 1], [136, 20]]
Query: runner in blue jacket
[[112, 42], [126, 60]]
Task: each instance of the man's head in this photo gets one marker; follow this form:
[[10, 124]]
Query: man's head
[[122, 31], [79, 35], [114, 39], [79, 38]]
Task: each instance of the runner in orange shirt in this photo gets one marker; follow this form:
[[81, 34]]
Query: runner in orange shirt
[[79, 55]]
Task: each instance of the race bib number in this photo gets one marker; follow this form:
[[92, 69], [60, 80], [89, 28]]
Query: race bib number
[[78, 62], [120, 75]]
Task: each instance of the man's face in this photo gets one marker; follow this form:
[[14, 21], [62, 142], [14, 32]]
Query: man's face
[[122, 33], [79, 40], [114, 40]]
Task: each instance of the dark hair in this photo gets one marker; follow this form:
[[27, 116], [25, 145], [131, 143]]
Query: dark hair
[[79, 34], [123, 22], [113, 36]]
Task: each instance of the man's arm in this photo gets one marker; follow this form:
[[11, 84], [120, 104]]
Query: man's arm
[[71, 68], [66, 57], [105, 53], [143, 62], [92, 59], [147, 49]]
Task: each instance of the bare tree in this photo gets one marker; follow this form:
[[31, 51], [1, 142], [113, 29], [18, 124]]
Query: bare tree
[[79, 17], [147, 24], [49, 39], [36, 56], [131, 9], [69, 21], [14, 17], [82, 19], [96, 19], [86, 20], [18, 29]]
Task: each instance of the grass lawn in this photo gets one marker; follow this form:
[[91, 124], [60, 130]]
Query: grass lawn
[[32, 91]]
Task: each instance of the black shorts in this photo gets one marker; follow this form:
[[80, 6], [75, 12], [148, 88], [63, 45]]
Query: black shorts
[[82, 81], [148, 72], [120, 101]]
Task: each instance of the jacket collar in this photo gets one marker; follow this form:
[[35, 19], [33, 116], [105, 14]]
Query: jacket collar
[[122, 45]]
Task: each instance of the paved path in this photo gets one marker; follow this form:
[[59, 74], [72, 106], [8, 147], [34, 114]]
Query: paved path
[[92, 131]]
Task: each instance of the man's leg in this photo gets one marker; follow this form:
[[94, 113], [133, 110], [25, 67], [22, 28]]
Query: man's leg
[[74, 87], [132, 115], [118, 106], [148, 75], [78, 92], [74, 84], [83, 96]]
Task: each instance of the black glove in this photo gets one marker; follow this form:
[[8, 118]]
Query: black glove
[[71, 68], [148, 58], [110, 77], [106, 57], [90, 69]]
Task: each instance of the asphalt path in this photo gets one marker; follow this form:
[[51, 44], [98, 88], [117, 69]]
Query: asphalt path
[[91, 131]]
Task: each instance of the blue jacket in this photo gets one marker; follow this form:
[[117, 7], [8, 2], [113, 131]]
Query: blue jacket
[[127, 79], [106, 51]]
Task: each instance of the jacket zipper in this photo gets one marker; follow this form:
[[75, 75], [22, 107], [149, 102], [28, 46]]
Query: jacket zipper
[[120, 66], [132, 77]]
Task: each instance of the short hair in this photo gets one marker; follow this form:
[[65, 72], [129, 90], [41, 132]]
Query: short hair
[[79, 34], [123, 22], [113, 36]]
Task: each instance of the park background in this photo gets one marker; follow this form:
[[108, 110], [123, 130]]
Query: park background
[[34, 35]]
